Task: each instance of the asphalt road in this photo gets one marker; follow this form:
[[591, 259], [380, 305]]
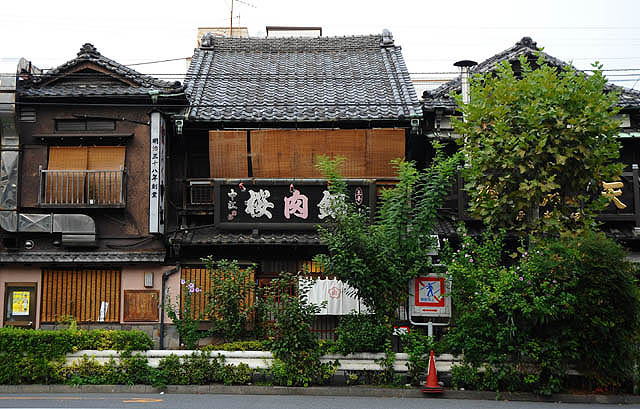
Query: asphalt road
[[157, 401]]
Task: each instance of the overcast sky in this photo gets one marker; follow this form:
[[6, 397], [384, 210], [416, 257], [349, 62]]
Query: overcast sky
[[433, 34]]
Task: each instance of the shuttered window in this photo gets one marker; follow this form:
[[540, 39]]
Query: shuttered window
[[228, 154], [87, 295]]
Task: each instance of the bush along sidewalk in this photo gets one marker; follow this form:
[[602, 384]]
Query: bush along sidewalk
[[35, 356]]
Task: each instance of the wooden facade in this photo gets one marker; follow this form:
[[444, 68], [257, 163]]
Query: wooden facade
[[86, 295]]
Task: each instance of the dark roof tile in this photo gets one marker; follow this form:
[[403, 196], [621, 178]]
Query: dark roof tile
[[300, 79], [441, 96], [38, 86]]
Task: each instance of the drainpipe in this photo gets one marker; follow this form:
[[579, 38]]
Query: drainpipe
[[165, 277]]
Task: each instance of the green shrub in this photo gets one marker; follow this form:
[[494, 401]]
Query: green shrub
[[170, 372], [228, 306], [240, 374], [238, 346], [33, 356], [361, 333], [569, 302], [201, 369], [417, 346], [295, 348], [128, 370], [183, 314]]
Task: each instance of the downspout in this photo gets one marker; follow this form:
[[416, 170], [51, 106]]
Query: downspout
[[165, 277]]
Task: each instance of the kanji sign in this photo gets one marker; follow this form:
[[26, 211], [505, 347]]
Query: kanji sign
[[430, 296], [156, 173], [283, 204]]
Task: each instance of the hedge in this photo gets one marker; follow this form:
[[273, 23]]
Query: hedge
[[32, 356]]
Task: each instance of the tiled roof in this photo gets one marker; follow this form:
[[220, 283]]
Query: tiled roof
[[82, 257], [300, 79], [447, 226], [83, 84], [212, 236], [440, 97]]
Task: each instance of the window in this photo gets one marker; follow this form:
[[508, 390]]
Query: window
[[27, 114], [80, 175], [201, 277], [288, 153], [87, 295], [79, 125]]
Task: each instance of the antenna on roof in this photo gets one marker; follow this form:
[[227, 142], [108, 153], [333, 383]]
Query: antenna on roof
[[246, 3], [231, 21]]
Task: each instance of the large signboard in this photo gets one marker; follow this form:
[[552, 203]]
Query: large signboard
[[429, 296], [282, 204]]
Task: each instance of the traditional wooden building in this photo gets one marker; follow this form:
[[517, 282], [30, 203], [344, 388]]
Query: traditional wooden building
[[622, 224], [82, 194], [243, 180]]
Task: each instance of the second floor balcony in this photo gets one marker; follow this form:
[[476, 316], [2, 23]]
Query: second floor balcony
[[82, 188]]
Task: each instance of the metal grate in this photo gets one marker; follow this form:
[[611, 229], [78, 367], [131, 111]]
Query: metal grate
[[200, 192]]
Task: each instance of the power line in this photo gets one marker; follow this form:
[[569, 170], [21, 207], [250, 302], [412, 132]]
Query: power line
[[157, 61], [258, 104]]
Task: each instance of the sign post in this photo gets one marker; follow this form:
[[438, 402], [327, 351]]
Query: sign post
[[429, 298]]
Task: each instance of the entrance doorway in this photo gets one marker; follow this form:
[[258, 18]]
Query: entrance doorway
[[20, 305]]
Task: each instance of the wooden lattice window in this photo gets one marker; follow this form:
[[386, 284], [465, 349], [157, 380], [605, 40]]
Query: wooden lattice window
[[87, 295], [201, 277]]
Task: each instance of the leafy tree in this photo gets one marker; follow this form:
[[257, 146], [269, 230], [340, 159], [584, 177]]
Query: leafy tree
[[294, 346], [230, 304], [569, 302], [538, 144], [378, 257]]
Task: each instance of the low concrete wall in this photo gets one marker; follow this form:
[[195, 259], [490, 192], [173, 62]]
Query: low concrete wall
[[263, 359]]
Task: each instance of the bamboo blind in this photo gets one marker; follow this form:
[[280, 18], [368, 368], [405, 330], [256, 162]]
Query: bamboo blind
[[105, 187], [286, 153], [228, 154], [384, 145], [67, 187], [105, 157], [201, 277], [79, 293]]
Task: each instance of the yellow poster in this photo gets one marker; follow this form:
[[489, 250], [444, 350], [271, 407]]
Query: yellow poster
[[20, 303]]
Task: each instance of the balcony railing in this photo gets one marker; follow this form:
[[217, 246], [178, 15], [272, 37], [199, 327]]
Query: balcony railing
[[82, 188]]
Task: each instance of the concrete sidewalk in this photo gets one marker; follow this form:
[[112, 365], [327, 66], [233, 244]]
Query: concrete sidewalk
[[360, 391]]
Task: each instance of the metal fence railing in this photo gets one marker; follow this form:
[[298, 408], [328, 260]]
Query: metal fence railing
[[82, 188]]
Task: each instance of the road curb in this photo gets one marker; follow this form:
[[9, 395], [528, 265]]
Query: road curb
[[354, 391]]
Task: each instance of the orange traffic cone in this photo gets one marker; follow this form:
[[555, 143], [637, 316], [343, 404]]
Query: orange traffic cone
[[431, 385]]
